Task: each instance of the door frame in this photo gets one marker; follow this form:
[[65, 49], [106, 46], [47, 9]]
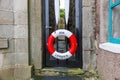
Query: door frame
[[35, 25]]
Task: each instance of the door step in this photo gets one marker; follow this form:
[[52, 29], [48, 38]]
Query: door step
[[59, 71]]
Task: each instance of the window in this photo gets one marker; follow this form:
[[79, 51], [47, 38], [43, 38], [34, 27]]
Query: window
[[114, 21]]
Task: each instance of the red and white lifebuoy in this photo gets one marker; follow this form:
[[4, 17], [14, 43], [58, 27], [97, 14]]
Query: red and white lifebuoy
[[73, 44]]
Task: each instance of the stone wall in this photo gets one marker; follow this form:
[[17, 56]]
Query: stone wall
[[107, 62], [36, 32], [89, 54], [14, 40], [108, 65]]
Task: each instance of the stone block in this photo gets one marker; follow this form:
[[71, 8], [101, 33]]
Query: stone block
[[36, 53], [86, 43], [22, 73], [6, 5], [86, 60], [21, 31], [6, 73], [87, 22], [6, 31], [16, 73], [8, 60], [21, 59], [6, 17], [20, 18], [20, 5], [89, 53], [38, 8], [11, 48], [3, 43], [36, 31], [14, 59], [1, 60], [21, 45], [87, 3], [93, 59]]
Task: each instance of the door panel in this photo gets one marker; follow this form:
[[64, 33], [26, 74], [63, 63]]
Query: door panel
[[61, 43]]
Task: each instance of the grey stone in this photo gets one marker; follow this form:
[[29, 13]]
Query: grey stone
[[6, 73], [88, 3], [87, 22], [86, 60], [36, 33], [38, 8], [8, 60], [86, 43], [94, 58], [6, 17], [21, 59], [20, 5], [88, 33], [21, 17], [6, 5], [21, 31], [6, 31], [36, 29], [22, 73], [11, 48], [3, 43], [21, 45], [36, 50], [14, 59], [16, 73], [1, 60]]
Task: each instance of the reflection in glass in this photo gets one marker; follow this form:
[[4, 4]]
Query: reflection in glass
[[116, 22]]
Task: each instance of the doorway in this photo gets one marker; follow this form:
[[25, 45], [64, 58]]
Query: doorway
[[71, 21]]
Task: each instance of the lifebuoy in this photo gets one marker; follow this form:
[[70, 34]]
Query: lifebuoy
[[73, 44]]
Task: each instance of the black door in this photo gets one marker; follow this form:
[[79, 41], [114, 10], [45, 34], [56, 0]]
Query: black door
[[62, 44]]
